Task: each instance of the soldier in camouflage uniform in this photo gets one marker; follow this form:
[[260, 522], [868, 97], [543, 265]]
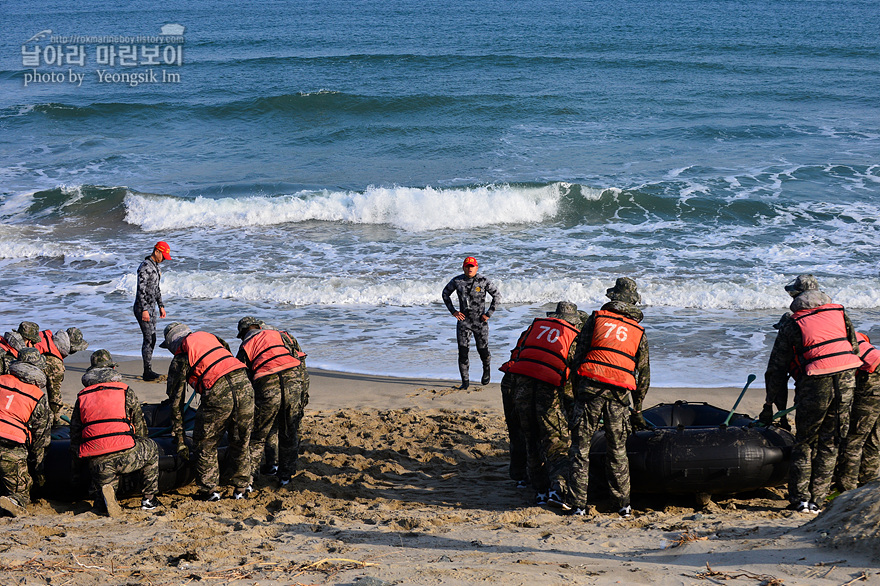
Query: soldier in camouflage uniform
[[855, 453], [147, 298], [870, 468], [472, 316], [277, 371], [596, 363], [823, 400], [24, 430], [108, 466], [63, 344], [542, 418], [227, 404]]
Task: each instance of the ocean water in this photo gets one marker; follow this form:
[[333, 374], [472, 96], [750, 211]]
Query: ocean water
[[327, 166]]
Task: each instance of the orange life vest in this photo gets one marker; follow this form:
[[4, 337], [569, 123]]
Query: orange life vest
[[18, 400], [868, 353], [611, 358], [826, 349], [267, 354], [46, 345], [544, 351], [106, 426], [209, 360]]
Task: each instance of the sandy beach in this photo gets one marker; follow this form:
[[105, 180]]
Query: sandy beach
[[404, 481]]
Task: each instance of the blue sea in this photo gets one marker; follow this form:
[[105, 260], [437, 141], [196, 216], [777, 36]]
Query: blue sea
[[327, 166]]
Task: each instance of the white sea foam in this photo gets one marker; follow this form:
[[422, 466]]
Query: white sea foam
[[413, 209], [352, 291]]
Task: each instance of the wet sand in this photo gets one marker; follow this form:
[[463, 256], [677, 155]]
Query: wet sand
[[404, 481]]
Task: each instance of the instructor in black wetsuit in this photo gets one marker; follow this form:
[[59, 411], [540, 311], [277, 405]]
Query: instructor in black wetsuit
[[472, 316]]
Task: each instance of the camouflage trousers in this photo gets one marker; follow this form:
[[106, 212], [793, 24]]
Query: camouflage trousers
[[227, 406], [144, 456], [15, 478], [855, 452], [545, 430], [279, 404], [463, 331], [592, 405], [870, 469], [54, 378], [148, 331], [518, 467], [821, 424]]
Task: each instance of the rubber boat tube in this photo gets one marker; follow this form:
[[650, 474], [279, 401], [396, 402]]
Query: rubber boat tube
[[691, 451]]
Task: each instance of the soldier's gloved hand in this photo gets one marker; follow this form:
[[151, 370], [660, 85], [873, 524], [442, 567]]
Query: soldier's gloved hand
[[183, 450], [766, 416], [638, 421]]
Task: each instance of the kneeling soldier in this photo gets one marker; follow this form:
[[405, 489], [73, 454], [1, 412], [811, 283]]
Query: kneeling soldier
[[108, 430], [24, 429]]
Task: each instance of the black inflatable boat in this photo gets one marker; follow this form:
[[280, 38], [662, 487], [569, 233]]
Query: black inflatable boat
[[691, 451]]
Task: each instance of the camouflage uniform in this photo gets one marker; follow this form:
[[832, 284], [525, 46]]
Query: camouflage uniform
[[823, 405], [855, 454], [472, 301], [543, 420], [870, 467], [54, 378], [148, 298], [279, 404], [15, 458], [518, 469], [227, 405], [107, 468], [595, 402]]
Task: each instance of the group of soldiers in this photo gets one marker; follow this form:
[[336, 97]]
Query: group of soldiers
[[259, 393], [571, 372], [568, 374]]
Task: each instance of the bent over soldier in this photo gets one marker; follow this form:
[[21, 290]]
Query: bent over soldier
[[540, 371], [612, 363], [858, 462], [821, 339], [24, 429], [472, 316], [275, 367], [107, 429], [227, 403]]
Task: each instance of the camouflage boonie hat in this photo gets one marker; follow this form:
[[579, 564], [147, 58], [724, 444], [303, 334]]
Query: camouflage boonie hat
[[29, 331], [15, 340], [174, 332], [802, 283], [30, 367], [625, 290], [77, 343], [62, 342], [97, 375], [565, 310], [245, 323], [102, 359]]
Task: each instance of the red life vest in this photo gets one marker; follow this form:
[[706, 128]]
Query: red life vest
[[18, 400], [544, 351], [826, 349], [267, 354], [868, 353], [209, 360], [46, 345], [5, 345], [611, 358], [106, 426]]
